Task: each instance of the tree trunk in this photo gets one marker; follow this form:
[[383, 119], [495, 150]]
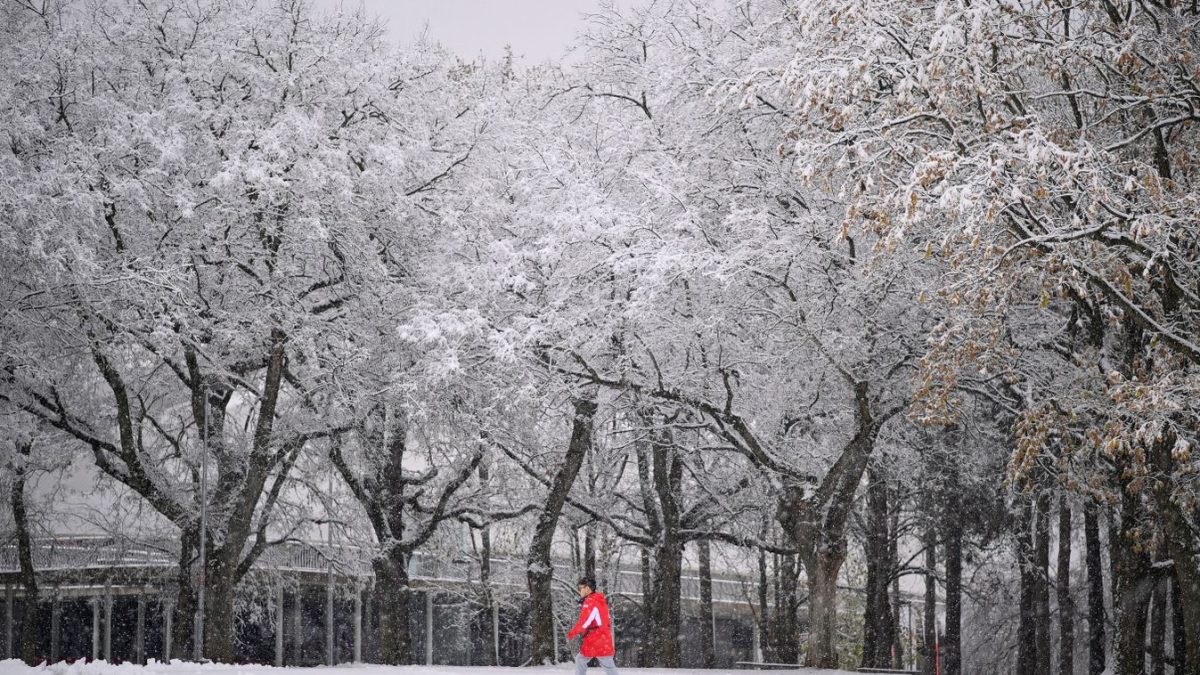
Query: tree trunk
[[951, 646], [1041, 578], [822, 604], [182, 625], [492, 657], [28, 576], [393, 597], [708, 651], [878, 628], [1179, 656], [1095, 581], [1066, 605], [1131, 579], [668, 552], [1027, 627], [1158, 628], [646, 638], [765, 643], [1180, 544], [540, 570], [894, 558], [929, 660], [787, 632]]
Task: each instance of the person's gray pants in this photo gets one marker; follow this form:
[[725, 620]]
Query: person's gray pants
[[606, 662]]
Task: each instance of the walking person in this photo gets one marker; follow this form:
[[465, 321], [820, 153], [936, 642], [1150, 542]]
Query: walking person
[[596, 629]]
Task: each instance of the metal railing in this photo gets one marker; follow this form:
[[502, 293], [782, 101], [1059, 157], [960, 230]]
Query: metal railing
[[83, 554]]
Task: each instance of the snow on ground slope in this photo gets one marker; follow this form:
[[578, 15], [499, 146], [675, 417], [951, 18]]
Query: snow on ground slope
[[15, 667]]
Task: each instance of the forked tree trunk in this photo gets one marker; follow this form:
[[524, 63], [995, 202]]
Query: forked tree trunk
[[540, 570], [823, 572]]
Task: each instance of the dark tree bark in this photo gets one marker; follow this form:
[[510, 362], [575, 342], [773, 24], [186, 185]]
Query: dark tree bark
[[1179, 657], [1041, 578], [668, 551], [878, 626], [708, 653], [929, 662], [1158, 628], [1066, 605], [1179, 538], [28, 576], [485, 581], [951, 646], [1132, 586], [894, 556], [540, 569], [645, 658], [1027, 627], [1095, 581], [392, 498], [765, 643], [787, 608]]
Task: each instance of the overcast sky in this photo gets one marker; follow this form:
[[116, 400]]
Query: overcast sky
[[537, 29]]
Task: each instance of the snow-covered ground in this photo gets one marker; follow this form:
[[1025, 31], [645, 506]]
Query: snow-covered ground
[[15, 667]]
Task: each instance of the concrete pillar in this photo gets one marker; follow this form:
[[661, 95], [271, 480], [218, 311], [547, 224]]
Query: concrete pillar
[[55, 625], [139, 636], [8, 621], [429, 626], [108, 609], [358, 611], [96, 628], [297, 628], [279, 620], [168, 609]]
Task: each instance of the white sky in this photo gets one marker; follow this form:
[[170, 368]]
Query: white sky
[[537, 29]]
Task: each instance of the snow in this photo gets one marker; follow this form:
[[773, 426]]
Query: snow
[[16, 667]]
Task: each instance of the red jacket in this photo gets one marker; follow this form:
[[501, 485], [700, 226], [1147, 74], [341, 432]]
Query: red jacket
[[595, 627]]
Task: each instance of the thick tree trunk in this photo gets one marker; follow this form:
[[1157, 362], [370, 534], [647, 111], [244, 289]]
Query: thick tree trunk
[[1066, 605], [540, 570], [1041, 600], [221, 586], [822, 603], [28, 576], [1158, 628], [787, 632], [182, 625], [878, 626], [1132, 583], [1180, 545], [929, 648], [393, 597], [668, 552], [708, 651], [1095, 579]]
